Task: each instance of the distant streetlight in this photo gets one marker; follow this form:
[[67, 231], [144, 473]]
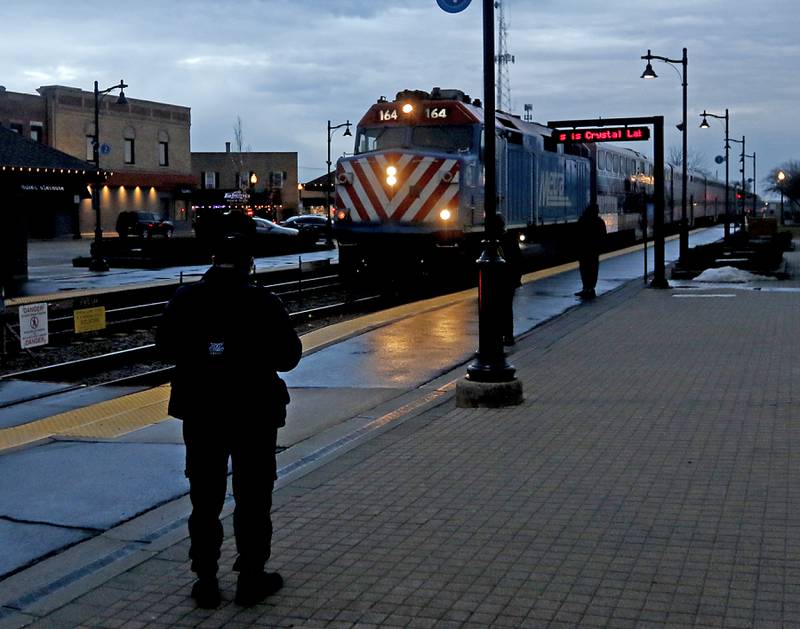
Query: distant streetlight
[[331, 130], [98, 263], [704, 125], [781, 178], [684, 128], [253, 179]]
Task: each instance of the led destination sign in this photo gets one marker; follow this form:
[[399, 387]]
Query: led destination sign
[[603, 134]]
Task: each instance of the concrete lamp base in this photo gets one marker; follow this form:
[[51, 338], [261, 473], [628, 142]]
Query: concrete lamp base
[[471, 394]]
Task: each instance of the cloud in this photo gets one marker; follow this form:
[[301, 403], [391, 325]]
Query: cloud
[[225, 61], [288, 66], [52, 75]]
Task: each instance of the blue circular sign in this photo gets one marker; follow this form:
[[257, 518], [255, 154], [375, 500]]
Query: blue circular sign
[[105, 149], [453, 6]]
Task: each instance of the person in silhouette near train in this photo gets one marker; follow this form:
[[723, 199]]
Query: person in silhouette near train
[[227, 391], [511, 279], [591, 235]]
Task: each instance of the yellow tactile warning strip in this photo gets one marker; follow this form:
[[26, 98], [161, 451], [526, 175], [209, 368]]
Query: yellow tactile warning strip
[[104, 420], [120, 416]]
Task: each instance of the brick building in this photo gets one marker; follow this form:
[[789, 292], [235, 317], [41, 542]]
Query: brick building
[[145, 144], [267, 179]]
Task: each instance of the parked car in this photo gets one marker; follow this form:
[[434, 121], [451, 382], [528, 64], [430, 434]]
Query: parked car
[[267, 227], [143, 224], [311, 225]]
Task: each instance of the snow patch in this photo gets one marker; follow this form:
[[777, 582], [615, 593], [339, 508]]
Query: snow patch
[[729, 275]]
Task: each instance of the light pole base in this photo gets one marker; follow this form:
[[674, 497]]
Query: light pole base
[[471, 394], [659, 283]]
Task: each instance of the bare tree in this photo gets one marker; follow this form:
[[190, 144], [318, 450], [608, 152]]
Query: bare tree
[[694, 160], [789, 185], [238, 156]]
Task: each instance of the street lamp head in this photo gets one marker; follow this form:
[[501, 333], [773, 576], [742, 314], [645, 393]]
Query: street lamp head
[[253, 179], [704, 124], [679, 126], [649, 73], [347, 129], [121, 100], [781, 175]]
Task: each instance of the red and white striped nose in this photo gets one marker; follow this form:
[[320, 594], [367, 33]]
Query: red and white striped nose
[[399, 187]]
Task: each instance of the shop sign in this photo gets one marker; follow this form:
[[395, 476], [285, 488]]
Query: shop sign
[[237, 195], [40, 187]]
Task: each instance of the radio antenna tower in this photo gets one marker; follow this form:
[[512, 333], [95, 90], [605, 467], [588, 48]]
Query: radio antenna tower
[[502, 59]]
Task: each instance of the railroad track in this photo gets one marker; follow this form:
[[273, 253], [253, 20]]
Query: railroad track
[[126, 317], [76, 369]]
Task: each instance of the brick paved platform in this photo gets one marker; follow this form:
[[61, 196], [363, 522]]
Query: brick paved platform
[[651, 478]]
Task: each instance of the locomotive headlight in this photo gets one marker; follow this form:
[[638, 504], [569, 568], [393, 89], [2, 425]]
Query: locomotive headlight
[[522, 237], [391, 175], [445, 214], [408, 108]]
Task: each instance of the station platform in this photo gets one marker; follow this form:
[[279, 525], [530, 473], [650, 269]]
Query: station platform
[[649, 479]]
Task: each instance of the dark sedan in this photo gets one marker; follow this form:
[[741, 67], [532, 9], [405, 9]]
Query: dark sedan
[[143, 224], [309, 225]]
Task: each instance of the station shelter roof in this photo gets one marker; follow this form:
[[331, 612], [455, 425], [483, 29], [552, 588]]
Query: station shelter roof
[[18, 152]]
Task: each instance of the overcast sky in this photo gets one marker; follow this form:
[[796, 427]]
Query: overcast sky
[[288, 66]]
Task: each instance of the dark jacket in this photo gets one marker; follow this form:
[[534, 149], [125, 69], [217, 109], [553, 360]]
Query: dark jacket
[[591, 235], [227, 339], [510, 251]]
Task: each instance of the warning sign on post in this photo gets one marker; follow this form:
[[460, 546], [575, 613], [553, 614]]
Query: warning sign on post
[[90, 319], [33, 325]]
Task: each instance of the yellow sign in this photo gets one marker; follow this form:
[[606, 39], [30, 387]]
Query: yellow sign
[[90, 319]]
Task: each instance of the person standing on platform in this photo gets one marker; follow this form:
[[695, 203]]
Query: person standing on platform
[[227, 338], [591, 234]]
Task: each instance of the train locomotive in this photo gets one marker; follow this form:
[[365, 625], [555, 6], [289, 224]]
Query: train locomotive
[[412, 193]]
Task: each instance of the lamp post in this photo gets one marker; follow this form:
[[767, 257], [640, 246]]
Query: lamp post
[[704, 125], [781, 178], [684, 127], [253, 179], [490, 366], [744, 186], [98, 263], [331, 130]]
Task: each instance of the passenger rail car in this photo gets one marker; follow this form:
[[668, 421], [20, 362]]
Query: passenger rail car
[[705, 198]]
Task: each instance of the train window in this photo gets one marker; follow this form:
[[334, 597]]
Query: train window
[[380, 138], [601, 160], [616, 163], [447, 138]]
